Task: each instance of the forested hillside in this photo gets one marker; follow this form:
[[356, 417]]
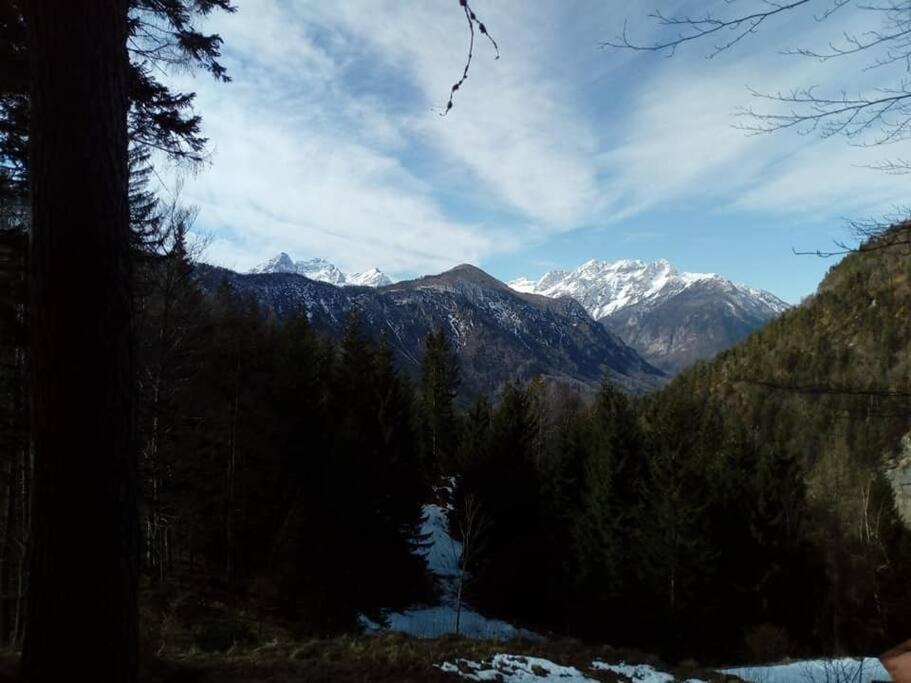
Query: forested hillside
[[829, 381], [743, 509]]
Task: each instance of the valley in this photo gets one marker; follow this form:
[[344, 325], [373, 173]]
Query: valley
[[466, 340]]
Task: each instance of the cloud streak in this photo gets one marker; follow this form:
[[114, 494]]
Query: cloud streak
[[328, 142]]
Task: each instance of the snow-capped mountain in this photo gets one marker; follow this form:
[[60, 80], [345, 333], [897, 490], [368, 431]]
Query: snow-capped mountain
[[369, 278], [277, 264], [500, 335], [322, 271], [672, 318], [606, 287]]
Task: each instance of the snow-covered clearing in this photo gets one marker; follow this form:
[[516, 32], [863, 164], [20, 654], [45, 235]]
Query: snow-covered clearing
[[432, 621], [865, 670]]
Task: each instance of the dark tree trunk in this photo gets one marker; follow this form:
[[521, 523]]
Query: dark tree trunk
[[82, 613]]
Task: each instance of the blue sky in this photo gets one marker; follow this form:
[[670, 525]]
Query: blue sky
[[328, 142]]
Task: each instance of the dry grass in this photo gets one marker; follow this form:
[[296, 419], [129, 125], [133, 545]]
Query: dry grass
[[195, 635], [382, 658]]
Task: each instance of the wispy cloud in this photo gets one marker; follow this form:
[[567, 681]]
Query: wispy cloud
[[329, 142], [684, 138]]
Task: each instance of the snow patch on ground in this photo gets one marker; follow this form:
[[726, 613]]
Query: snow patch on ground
[[637, 673], [865, 670], [442, 555], [515, 669], [443, 551], [438, 621], [520, 669]]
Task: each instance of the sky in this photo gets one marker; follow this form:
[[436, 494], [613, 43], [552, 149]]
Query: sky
[[329, 142]]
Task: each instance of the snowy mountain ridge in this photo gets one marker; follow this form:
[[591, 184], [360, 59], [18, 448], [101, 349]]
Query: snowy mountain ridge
[[671, 317], [607, 287], [322, 271]]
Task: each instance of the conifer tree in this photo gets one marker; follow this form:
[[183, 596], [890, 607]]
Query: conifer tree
[[439, 386], [616, 438], [506, 484], [675, 555], [579, 524], [475, 434], [162, 35]]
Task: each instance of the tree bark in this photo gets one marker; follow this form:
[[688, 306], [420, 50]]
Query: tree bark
[[81, 611]]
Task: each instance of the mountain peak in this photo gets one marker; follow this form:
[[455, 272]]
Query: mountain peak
[[369, 278], [277, 264], [457, 277], [321, 270], [468, 273], [465, 269]]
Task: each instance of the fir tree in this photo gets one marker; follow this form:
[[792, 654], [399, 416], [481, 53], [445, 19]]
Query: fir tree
[[438, 390], [506, 484]]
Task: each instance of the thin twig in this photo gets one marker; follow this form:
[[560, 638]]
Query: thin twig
[[473, 21]]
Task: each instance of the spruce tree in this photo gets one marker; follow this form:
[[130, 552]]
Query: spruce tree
[[438, 390], [506, 484], [474, 435], [675, 554], [161, 35]]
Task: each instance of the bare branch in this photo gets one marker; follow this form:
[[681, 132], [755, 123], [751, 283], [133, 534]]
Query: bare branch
[[694, 29], [892, 167], [887, 112], [473, 21], [874, 235], [894, 39], [883, 115]]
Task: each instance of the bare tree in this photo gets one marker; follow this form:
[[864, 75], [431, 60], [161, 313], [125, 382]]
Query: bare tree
[[472, 523]]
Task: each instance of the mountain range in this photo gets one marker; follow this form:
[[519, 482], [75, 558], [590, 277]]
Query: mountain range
[[671, 318], [499, 334]]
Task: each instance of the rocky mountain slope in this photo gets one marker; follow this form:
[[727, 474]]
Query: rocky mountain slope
[[499, 334], [672, 318]]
